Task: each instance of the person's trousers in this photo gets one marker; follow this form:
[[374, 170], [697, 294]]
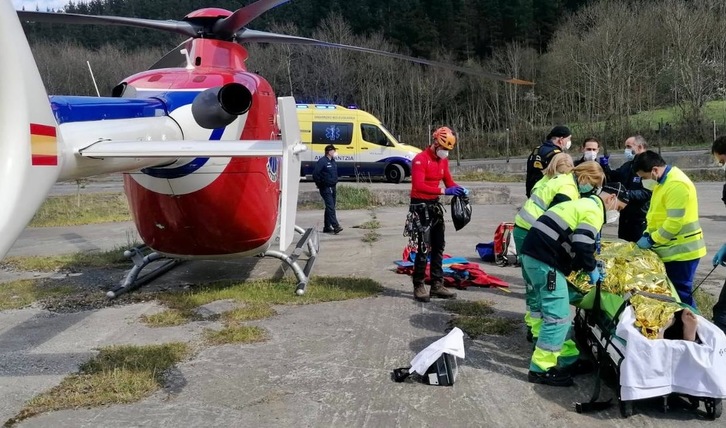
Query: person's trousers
[[554, 346], [430, 215], [719, 310], [329, 198], [532, 314], [681, 274]]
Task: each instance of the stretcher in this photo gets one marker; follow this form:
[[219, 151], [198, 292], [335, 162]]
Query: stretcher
[[693, 373]]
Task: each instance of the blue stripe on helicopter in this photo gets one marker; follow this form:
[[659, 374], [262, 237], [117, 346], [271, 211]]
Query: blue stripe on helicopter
[[84, 109], [69, 109]]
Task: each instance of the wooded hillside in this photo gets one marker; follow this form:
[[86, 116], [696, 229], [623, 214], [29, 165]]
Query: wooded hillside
[[593, 69]]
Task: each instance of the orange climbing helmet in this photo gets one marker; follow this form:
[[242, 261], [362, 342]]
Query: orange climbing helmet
[[445, 138]]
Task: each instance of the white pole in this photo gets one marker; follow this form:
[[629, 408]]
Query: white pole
[[93, 78]]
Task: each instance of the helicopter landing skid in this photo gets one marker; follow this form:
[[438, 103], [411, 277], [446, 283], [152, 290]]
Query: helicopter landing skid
[[310, 243], [132, 281]]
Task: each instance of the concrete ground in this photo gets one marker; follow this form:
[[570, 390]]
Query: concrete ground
[[326, 364]]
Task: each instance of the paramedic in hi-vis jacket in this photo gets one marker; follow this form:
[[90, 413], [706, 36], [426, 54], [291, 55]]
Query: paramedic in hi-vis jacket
[[562, 240], [428, 169], [566, 185], [672, 228]]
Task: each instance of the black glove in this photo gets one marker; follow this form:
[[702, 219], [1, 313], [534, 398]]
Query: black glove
[[723, 194]]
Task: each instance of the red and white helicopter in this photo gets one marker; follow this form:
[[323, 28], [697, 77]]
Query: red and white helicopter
[[210, 156]]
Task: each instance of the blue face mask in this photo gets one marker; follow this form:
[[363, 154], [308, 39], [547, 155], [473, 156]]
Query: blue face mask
[[629, 155], [585, 188]]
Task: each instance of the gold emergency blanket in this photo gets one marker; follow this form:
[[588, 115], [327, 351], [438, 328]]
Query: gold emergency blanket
[[652, 315], [631, 269]]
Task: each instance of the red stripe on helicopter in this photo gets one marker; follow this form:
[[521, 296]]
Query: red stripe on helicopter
[[43, 145]]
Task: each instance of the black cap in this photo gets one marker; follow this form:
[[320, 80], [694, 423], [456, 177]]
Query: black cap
[[329, 147], [559, 131], [616, 188]]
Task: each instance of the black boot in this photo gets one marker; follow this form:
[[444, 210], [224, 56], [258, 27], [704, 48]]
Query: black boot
[[553, 377]]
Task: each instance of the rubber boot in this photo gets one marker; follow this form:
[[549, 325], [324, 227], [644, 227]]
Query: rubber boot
[[420, 293], [438, 290]]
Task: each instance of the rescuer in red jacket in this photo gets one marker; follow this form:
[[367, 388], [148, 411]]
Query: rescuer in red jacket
[[426, 213]]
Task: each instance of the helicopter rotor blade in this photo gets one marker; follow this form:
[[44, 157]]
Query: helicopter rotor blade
[[227, 27], [179, 27], [247, 35]]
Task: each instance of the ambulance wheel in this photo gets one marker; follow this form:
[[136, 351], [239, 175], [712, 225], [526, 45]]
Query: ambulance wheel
[[395, 173], [626, 408], [713, 408]]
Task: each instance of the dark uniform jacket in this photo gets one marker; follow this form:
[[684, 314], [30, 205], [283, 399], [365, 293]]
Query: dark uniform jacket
[[325, 173], [632, 217], [537, 161]]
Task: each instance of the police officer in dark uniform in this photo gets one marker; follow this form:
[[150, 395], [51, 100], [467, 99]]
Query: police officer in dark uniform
[[325, 176], [558, 140], [719, 310], [632, 218]]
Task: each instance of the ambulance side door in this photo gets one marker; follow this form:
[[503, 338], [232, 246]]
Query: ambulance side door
[[372, 150]]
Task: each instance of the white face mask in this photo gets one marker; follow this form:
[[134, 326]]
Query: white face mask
[[442, 154], [568, 145], [612, 216], [590, 156], [629, 154], [648, 183]]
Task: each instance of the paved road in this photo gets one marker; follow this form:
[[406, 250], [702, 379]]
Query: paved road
[[326, 364]]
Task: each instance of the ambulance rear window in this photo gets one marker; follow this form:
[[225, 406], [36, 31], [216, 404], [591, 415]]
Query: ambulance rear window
[[330, 133]]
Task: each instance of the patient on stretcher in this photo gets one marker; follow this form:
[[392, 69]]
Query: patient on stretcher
[[681, 326]]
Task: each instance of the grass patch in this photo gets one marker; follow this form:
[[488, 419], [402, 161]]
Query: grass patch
[[480, 308], [118, 374], [475, 318], [89, 208], [715, 174], [371, 224], [371, 236], [21, 293], [354, 198], [99, 259], [167, 318], [479, 326], [347, 198], [252, 311], [235, 334], [490, 176], [704, 303], [260, 293]]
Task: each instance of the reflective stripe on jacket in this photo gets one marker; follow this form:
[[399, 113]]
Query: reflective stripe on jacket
[[673, 218], [564, 236], [542, 197]]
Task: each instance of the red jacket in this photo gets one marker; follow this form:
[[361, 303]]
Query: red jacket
[[427, 171]]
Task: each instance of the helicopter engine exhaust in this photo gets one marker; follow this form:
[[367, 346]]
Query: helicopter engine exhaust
[[218, 107]]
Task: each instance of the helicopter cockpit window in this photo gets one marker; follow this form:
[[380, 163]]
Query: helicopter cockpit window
[[373, 134], [332, 133]]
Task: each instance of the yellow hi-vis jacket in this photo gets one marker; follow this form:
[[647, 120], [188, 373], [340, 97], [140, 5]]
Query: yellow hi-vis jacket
[[564, 236], [673, 218], [553, 191]]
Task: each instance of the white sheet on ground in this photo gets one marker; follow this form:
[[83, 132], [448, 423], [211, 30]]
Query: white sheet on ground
[[655, 367], [452, 343]]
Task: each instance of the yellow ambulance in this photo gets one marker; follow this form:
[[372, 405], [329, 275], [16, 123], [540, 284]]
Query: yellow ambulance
[[364, 146]]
